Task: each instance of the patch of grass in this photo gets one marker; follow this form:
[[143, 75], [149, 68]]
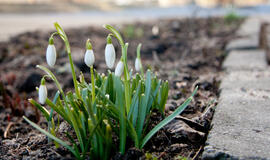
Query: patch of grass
[[130, 31], [232, 17]]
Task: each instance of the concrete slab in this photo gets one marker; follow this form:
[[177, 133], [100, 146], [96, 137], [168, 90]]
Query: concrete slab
[[247, 42], [245, 60], [248, 81], [241, 123], [251, 26], [241, 127]]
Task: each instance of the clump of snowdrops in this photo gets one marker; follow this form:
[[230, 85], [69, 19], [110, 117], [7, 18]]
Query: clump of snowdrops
[[118, 103]]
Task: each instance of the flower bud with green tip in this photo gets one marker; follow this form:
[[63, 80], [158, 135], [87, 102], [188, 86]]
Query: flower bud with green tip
[[119, 68], [42, 92], [109, 53], [138, 64], [89, 57], [51, 53]]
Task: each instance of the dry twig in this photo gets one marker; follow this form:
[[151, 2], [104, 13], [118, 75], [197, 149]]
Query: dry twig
[[7, 129], [197, 153]]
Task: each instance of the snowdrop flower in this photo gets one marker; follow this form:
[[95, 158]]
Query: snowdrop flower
[[138, 64], [51, 53], [155, 30], [42, 92], [109, 53], [119, 68], [89, 57]]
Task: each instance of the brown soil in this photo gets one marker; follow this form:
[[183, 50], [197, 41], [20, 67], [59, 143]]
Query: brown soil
[[187, 52]]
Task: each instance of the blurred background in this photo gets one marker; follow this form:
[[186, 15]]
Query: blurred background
[[183, 40], [71, 5], [17, 16]]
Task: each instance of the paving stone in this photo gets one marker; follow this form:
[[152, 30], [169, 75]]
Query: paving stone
[[241, 123], [245, 60], [249, 81], [240, 126], [247, 42], [251, 26]]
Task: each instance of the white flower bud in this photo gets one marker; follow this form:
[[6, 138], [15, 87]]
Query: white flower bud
[[89, 58], [109, 55], [42, 93], [51, 55], [138, 64], [155, 30], [119, 68]]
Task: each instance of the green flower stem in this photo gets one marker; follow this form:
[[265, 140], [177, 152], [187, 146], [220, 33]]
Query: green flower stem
[[124, 47], [72, 70], [124, 54], [115, 33], [63, 35], [52, 76], [51, 37], [126, 79], [93, 83], [127, 95]]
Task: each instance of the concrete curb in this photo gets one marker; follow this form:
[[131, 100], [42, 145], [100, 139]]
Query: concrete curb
[[241, 124]]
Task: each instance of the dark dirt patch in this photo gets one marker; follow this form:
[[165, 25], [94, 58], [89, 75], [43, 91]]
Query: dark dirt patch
[[187, 52]]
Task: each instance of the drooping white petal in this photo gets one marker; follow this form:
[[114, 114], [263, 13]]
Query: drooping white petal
[[109, 55], [42, 94], [89, 58], [119, 69], [137, 64], [51, 55]]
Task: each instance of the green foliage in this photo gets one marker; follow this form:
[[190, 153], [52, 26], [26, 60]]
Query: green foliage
[[109, 104], [181, 158], [149, 156], [231, 17], [130, 31]]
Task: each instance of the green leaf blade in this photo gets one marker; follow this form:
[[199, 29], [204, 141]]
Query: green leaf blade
[[43, 110], [77, 155], [179, 110]]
